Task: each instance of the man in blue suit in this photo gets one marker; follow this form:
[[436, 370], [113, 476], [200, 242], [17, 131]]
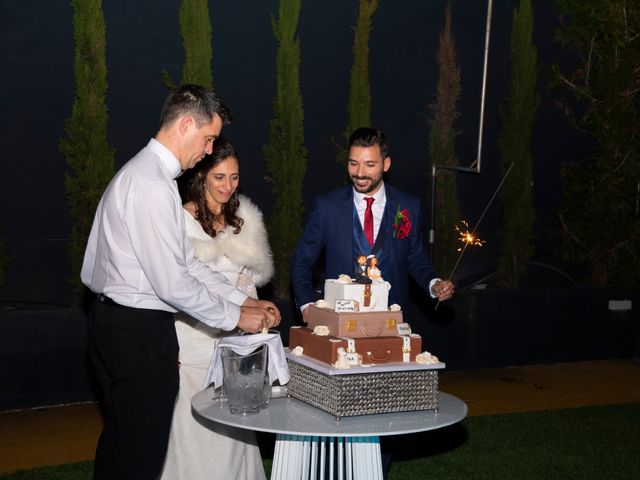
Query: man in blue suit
[[369, 217]]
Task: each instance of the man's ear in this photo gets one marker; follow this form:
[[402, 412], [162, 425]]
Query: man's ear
[[386, 164], [184, 123]]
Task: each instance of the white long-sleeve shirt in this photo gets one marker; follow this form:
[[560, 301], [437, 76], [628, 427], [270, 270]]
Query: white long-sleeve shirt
[[138, 253]]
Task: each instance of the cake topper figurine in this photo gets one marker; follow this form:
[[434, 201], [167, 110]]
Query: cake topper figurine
[[373, 272], [361, 270]]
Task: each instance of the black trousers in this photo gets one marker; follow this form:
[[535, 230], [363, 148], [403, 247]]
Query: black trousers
[[135, 355]]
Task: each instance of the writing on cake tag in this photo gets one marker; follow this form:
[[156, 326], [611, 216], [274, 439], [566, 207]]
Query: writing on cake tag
[[403, 329], [346, 306], [353, 358]]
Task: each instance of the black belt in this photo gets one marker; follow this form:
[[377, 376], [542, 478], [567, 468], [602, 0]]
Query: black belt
[[107, 301], [102, 298]]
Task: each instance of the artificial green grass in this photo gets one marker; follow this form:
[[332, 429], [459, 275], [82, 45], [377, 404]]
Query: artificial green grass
[[70, 471], [580, 443]]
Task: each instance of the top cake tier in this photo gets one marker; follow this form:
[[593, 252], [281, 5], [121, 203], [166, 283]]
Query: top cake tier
[[372, 297]]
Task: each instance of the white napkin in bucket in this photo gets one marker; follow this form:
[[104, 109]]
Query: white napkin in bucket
[[245, 344]]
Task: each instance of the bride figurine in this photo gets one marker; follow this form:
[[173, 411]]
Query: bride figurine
[[373, 272]]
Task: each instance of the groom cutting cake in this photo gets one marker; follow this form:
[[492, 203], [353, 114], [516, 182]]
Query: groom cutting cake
[[369, 217]]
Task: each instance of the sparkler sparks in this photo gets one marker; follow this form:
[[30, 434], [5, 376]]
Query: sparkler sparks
[[466, 237]]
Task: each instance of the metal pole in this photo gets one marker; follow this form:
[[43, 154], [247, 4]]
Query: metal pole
[[487, 36], [475, 166]]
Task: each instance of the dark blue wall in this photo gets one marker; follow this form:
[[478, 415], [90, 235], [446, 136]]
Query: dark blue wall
[[36, 52]]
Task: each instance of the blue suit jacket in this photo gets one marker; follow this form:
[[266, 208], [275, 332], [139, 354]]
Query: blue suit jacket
[[330, 228]]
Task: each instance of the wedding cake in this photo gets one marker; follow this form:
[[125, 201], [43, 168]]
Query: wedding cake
[[357, 356]]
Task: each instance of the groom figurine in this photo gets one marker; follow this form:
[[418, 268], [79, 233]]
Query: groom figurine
[[369, 217]]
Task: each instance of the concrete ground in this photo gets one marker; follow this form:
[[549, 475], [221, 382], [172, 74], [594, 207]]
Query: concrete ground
[[66, 434]]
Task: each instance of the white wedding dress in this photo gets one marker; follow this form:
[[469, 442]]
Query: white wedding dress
[[200, 449]]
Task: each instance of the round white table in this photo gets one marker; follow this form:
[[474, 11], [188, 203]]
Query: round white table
[[305, 434]]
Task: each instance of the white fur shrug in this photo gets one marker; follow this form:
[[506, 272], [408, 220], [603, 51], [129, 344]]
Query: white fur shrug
[[249, 248]]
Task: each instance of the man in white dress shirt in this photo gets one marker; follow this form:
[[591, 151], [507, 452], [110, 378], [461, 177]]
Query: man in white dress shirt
[[141, 264]]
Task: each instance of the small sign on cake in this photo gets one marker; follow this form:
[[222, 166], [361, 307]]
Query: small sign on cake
[[404, 329], [346, 306]]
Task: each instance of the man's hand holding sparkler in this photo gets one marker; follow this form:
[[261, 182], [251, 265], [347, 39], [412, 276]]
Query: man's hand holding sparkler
[[443, 290]]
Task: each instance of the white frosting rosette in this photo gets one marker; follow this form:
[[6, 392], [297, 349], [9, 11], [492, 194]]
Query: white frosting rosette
[[322, 303], [425, 358], [321, 330]]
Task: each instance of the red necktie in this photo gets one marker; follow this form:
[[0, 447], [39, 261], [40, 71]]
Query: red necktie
[[368, 220]]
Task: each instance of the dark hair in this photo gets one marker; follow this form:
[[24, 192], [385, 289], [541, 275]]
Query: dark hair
[[369, 137], [196, 188], [196, 101]]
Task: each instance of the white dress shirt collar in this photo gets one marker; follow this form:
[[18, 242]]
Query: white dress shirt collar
[[169, 160], [380, 197]]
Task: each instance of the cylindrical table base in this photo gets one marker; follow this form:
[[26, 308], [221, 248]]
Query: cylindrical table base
[[299, 457]]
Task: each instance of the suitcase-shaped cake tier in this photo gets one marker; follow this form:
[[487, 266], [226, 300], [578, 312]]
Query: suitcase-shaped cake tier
[[372, 297], [374, 350], [354, 325]]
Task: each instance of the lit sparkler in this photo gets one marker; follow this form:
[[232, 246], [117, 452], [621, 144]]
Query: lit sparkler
[[467, 237]]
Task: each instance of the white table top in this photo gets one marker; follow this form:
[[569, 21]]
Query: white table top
[[293, 417]]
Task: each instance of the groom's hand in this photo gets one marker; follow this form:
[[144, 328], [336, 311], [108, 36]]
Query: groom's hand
[[263, 310], [255, 319], [443, 290]]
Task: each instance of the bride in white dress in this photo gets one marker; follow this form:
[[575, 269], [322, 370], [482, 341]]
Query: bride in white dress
[[228, 234]]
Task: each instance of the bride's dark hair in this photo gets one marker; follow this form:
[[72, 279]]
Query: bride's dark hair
[[196, 189]]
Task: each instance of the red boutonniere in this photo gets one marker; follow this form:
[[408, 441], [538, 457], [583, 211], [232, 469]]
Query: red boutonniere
[[402, 224]]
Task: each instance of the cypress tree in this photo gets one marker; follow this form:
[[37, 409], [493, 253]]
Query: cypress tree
[[195, 27], [89, 157], [359, 102], [195, 30], [442, 148], [285, 154], [518, 217]]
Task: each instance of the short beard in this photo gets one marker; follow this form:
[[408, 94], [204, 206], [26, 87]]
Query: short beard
[[372, 186]]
